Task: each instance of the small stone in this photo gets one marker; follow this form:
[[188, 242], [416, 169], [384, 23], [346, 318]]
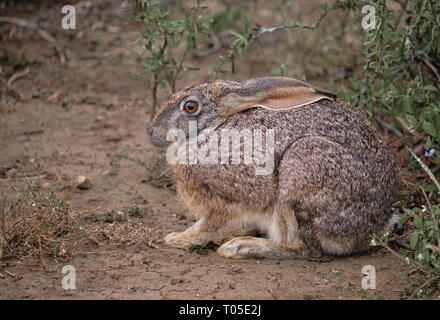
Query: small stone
[[135, 211], [174, 281], [84, 182], [47, 185], [232, 285], [11, 172], [113, 29], [114, 137], [39, 92], [114, 216], [120, 216], [67, 105]]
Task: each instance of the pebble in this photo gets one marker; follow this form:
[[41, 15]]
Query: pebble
[[83, 182]]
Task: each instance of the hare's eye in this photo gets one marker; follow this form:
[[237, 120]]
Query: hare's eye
[[191, 106]]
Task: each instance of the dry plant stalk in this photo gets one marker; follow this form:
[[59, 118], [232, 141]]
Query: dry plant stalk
[[128, 233], [37, 225]]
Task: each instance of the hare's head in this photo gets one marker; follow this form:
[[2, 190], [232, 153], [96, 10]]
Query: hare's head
[[212, 103], [197, 102]]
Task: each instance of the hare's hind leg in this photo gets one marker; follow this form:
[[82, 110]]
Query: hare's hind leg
[[253, 247], [202, 232], [283, 242]]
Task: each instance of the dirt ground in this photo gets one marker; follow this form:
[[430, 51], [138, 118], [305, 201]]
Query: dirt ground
[[86, 117]]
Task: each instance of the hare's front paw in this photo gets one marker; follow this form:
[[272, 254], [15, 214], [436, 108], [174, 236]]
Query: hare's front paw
[[179, 240], [246, 247], [243, 247], [196, 235]]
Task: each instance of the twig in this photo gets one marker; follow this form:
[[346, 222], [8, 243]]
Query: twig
[[182, 59], [24, 177], [434, 220], [401, 244], [16, 76], [406, 126], [259, 31], [416, 265], [139, 161], [93, 210], [94, 240], [44, 34], [273, 294], [163, 173], [41, 254], [388, 126], [428, 172], [13, 275], [432, 67], [425, 284], [426, 198], [315, 25], [433, 248], [30, 132]]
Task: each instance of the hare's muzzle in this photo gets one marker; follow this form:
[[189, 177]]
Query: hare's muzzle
[[157, 135]]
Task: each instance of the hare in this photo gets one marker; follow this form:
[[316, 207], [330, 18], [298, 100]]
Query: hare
[[332, 182]]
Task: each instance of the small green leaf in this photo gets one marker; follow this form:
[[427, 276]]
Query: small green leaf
[[411, 119], [407, 104], [414, 240], [430, 87], [429, 187], [418, 222], [402, 221], [429, 128]]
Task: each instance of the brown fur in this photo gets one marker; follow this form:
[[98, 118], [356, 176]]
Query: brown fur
[[332, 186]]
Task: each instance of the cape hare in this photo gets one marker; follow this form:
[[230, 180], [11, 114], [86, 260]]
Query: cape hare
[[332, 180]]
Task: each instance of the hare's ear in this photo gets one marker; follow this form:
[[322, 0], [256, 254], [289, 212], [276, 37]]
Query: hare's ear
[[273, 93]]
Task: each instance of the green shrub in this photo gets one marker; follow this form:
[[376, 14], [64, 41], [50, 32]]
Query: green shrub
[[400, 74], [423, 252], [159, 31], [398, 86]]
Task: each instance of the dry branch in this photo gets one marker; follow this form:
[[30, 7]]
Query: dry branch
[[16, 76], [43, 33]]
